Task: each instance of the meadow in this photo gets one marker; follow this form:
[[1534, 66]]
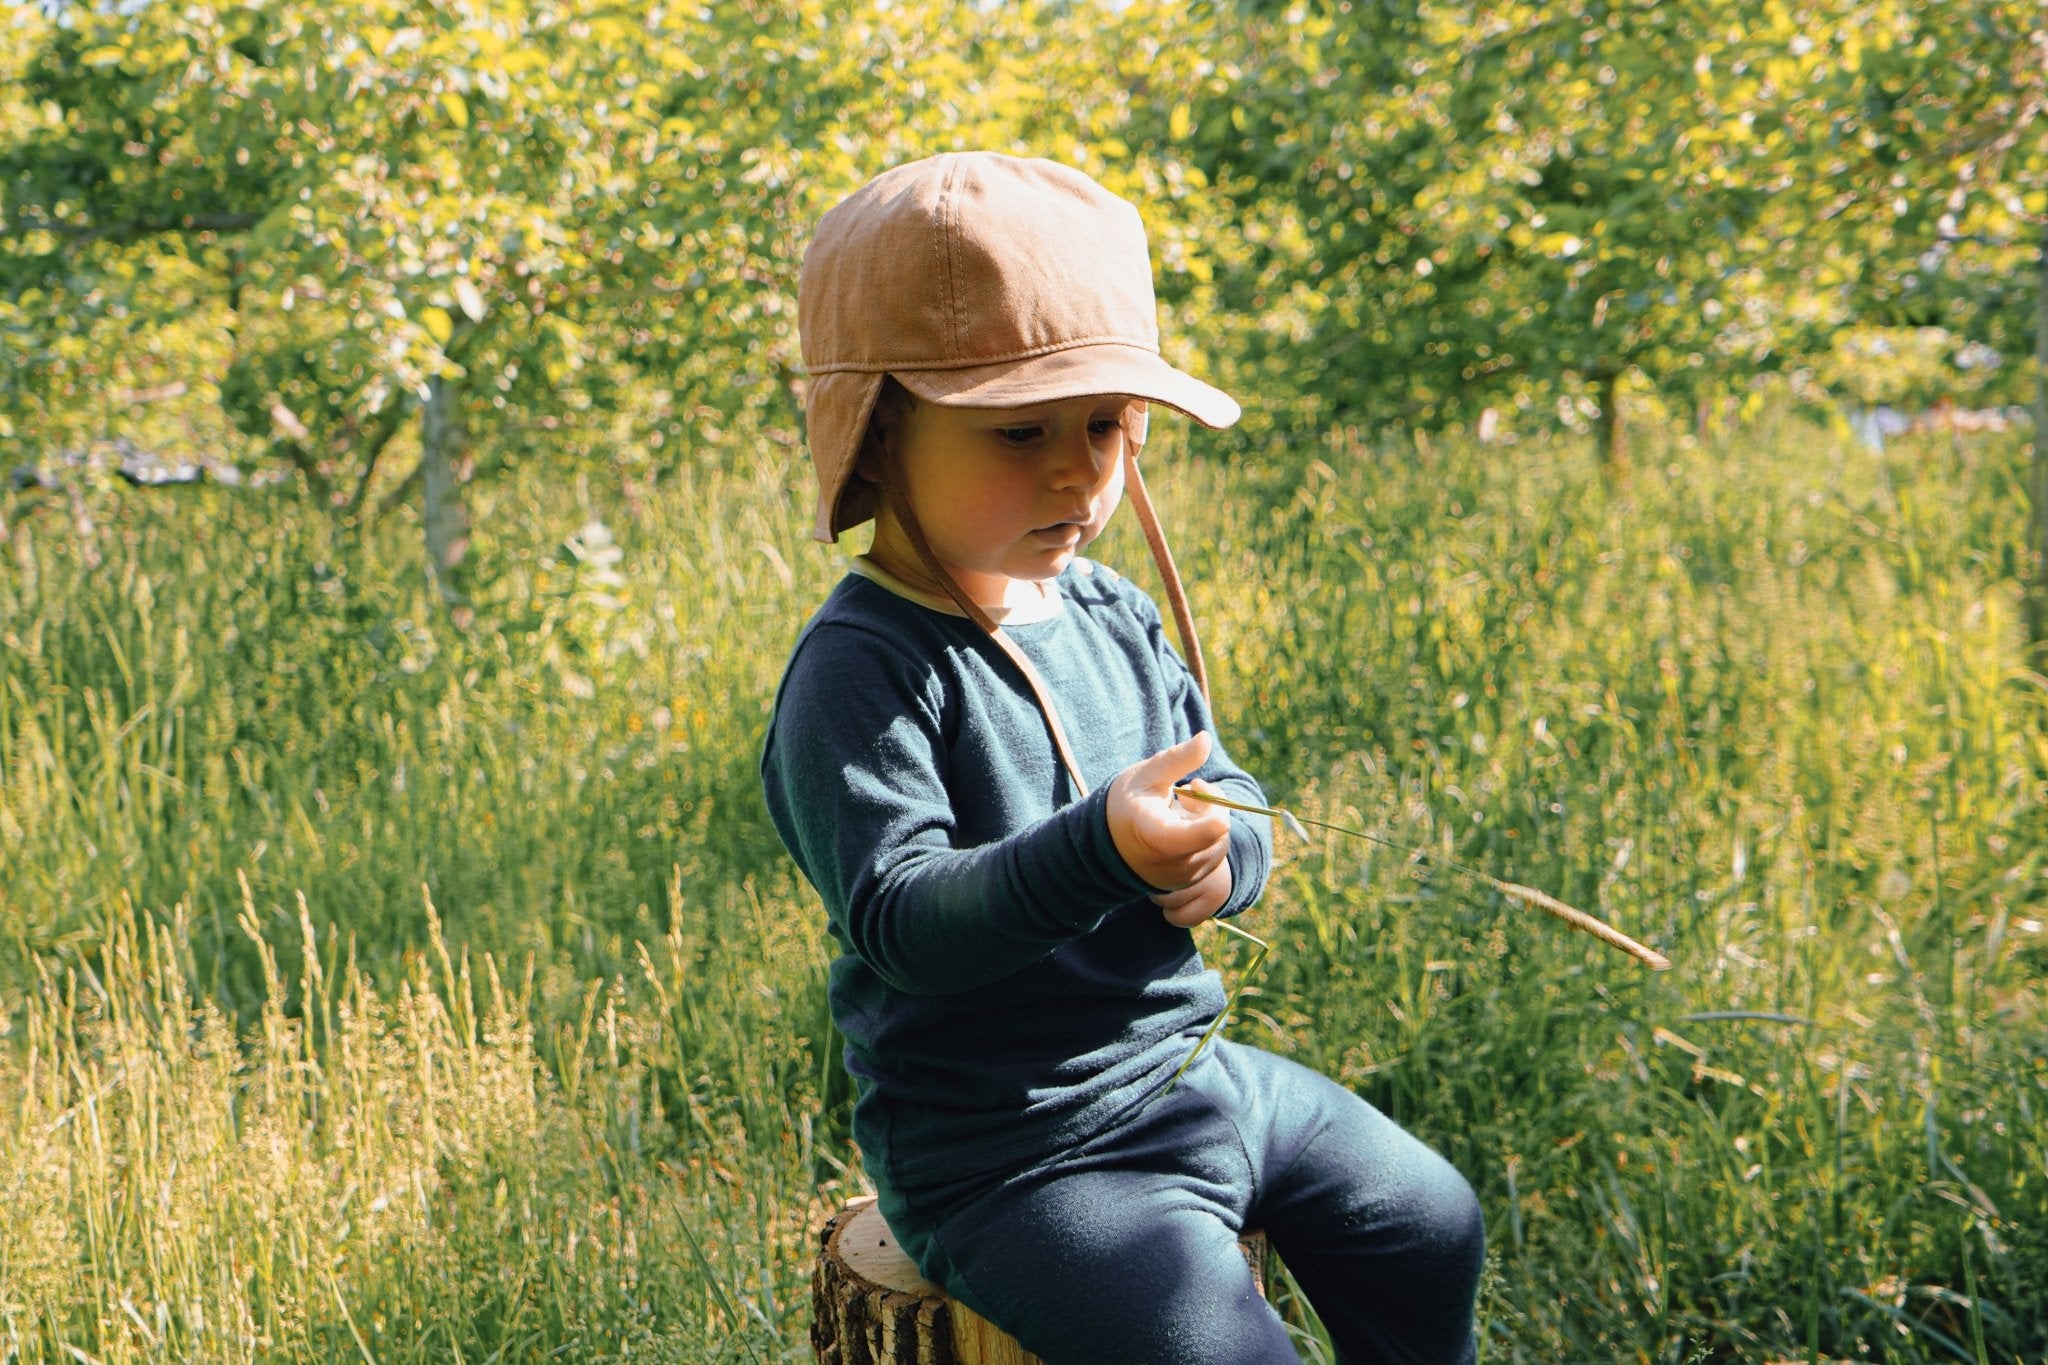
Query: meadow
[[376, 989]]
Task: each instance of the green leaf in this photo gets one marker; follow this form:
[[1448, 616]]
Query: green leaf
[[438, 324]]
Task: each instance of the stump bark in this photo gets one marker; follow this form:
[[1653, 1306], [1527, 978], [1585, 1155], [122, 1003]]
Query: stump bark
[[869, 1305]]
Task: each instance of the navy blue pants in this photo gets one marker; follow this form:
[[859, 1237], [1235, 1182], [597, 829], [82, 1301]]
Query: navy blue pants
[[1125, 1249]]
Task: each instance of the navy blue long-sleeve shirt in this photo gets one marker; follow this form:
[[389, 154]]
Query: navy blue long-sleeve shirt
[[1004, 983]]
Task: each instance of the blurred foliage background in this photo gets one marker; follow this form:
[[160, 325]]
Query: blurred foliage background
[[301, 232], [395, 960]]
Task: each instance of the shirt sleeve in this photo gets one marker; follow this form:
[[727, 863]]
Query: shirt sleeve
[[855, 777]]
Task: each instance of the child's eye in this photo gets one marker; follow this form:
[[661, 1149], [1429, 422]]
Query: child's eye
[[1017, 436], [1104, 426]]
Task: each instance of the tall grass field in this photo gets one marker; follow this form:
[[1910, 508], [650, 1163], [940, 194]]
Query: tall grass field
[[373, 989]]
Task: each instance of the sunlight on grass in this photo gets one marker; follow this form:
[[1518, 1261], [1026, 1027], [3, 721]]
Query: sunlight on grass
[[370, 989]]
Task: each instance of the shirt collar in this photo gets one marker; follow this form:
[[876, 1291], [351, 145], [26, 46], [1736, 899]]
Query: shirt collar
[[1047, 604]]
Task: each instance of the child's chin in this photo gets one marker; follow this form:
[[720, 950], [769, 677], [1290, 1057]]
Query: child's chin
[[1044, 568]]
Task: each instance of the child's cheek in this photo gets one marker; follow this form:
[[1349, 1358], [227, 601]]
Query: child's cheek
[[1105, 509]]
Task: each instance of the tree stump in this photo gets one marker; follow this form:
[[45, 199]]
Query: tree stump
[[869, 1306]]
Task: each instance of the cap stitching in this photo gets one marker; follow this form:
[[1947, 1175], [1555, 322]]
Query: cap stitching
[[944, 226]]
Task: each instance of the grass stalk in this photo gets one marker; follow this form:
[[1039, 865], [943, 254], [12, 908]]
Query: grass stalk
[[1728, 699], [1261, 949], [1515, 891]]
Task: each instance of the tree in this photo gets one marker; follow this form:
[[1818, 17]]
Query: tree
[[445, 226], [1924, 132], [382, 198], [1493, 202]]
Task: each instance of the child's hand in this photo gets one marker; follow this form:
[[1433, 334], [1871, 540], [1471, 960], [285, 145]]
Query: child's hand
[[1191, 905], [1178, 845]]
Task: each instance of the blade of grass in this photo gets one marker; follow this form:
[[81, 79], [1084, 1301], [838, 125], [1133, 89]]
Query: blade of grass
[[349, 1319], [1244, 979], [704, 1264], [1527, 895]]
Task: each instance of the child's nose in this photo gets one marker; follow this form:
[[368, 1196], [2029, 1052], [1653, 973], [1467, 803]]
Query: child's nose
[[1085, 459]]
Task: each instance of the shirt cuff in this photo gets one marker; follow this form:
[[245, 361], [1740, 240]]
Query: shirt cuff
[[1251, 860], [1083, 875]]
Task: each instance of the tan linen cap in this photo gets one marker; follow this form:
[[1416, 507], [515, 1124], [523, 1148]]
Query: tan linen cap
[[978, 280]]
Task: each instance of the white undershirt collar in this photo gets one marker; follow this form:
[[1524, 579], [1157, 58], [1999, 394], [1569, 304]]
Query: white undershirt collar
[[1034, 601]]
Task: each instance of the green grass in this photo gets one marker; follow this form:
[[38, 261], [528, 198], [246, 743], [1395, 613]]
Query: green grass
[[375, 990]]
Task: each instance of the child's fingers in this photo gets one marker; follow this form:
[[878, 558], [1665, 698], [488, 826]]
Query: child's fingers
[[1156, 780], [1180, 896], [1197, 864], [1190, 905], [1170, 850], [1180, 827], [1189, 915], [1160, 772], [1167, 842]]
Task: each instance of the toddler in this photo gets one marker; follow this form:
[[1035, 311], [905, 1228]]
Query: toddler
[[974, 756]]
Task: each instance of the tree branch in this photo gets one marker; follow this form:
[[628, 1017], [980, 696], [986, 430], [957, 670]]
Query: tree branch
[[177, 388], [397, 496], [124, 233], [303, 460], [1975, 239], [388, 422]]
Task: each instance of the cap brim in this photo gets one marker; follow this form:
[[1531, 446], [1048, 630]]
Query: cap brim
[[1076, 372]]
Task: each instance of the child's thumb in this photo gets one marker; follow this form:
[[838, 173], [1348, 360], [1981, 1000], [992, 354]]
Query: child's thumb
[[1167, 767]]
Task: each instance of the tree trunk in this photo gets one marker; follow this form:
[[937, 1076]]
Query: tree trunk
[[869, 1306], [442, 443], [1607, 434], [2037, 470]]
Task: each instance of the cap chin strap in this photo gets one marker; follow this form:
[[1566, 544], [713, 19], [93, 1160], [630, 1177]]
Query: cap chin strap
[[1135, 426], [892, 494], [1155, 537]]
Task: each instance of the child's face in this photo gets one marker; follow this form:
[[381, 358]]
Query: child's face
[[1005, 494]]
